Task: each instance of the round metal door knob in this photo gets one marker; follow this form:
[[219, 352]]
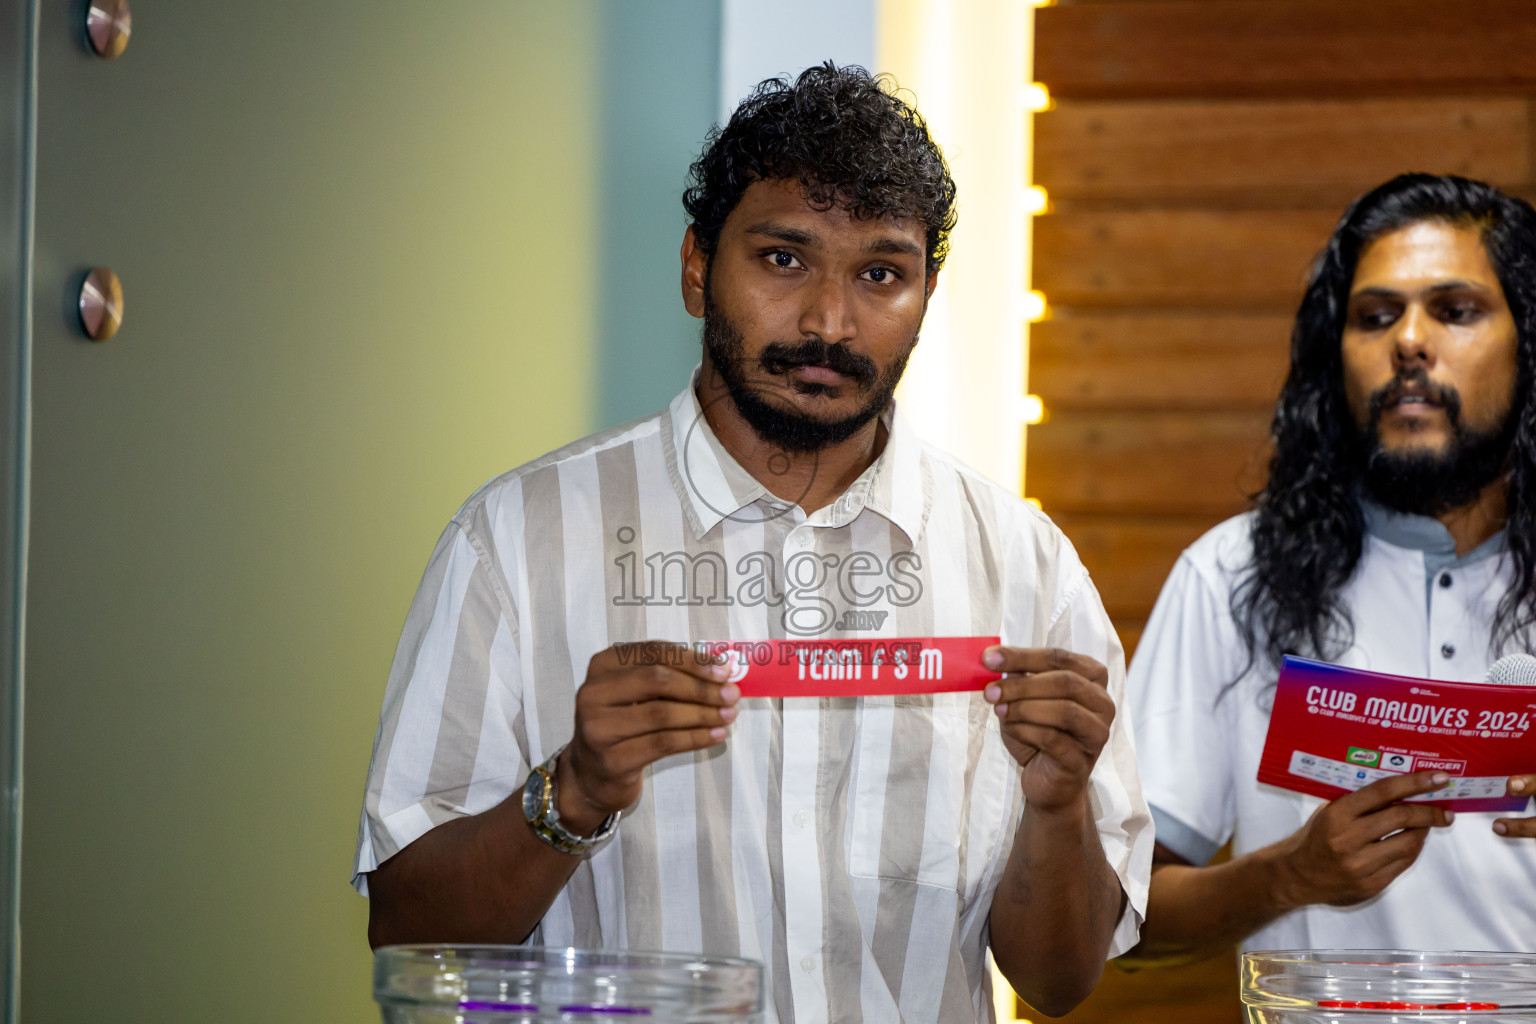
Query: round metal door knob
[[108, 24], [101, 304]]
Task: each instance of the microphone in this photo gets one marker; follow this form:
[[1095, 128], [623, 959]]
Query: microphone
[[1513, 670]]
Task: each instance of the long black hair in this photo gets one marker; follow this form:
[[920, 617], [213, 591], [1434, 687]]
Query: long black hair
[[1308, 528]]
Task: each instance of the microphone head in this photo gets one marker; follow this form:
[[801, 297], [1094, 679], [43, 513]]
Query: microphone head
[[1513, 670]]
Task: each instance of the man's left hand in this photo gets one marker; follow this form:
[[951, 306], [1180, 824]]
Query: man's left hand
[[1519, 785], [1055, 712]]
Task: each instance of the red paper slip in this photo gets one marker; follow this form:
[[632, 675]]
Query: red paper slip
[[1335, 730], [857, 668]]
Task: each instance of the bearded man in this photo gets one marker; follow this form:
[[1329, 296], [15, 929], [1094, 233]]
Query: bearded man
[[553, 766], [1396, 533]]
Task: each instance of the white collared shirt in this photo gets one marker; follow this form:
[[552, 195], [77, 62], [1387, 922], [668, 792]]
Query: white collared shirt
[[1470, 888], [851, 844]]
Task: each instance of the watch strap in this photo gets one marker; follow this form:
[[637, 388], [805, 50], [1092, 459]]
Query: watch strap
[[545, 820]]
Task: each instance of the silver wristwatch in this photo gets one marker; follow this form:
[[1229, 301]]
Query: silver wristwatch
[[544, 819]]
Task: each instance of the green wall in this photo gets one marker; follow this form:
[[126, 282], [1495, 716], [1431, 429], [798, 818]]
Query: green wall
[[660, 96], [357, 244], [16, 97]]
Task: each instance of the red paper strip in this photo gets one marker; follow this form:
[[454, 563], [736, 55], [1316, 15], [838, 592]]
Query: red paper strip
[[858, 668]]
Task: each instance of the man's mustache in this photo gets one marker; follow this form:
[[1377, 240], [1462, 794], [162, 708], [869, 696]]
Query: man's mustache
[[781, 357], [1443, 395]]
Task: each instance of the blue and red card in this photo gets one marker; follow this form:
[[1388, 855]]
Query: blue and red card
[[1334, 730]]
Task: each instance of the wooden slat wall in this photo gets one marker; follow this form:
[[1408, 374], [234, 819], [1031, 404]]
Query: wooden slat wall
[[1198, 157], [1117, 361], [1185, 258], [1322, 48], [1148, 463], [1118, 150]]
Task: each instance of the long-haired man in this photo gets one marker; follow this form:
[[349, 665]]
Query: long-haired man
[[1397, 533]]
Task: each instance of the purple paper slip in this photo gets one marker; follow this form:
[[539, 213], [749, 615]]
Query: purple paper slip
[[483, 1006], [637, 1011]]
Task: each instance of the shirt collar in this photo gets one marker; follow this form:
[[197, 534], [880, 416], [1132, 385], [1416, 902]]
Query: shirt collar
[[897, 484], [711, 485], [1422, 533]]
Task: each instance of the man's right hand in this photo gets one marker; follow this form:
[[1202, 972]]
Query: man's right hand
[[1353, 847], [487, 877], [1347, 852], [640, 702]]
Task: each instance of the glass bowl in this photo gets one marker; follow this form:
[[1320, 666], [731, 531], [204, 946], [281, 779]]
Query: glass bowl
[[1367, 986], [535, 985]]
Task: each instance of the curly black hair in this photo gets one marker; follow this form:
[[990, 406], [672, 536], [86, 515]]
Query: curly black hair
[[1308, 529], [848, 139]]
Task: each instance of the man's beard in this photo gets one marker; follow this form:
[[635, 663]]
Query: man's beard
[[782, 425], [1431, 483]]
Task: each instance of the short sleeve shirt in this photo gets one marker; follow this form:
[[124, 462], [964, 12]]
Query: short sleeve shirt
[[1201, 722], [851, 844]]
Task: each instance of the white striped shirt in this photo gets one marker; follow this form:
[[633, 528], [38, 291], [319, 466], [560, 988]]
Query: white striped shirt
[[851, 844]]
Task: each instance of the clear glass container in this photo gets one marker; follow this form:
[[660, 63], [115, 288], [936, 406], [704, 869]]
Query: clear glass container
[[1369, 986], [536, 985]]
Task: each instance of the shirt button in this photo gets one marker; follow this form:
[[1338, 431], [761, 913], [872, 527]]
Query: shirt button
[[801, 818], [808, 963], [1447, 650], [1445, 579]]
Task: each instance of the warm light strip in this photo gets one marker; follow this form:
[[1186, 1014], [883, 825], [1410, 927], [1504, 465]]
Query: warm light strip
[[967, 62]]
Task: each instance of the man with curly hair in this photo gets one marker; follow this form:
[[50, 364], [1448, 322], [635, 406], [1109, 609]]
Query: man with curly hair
[[1396, 533], [555, 765]]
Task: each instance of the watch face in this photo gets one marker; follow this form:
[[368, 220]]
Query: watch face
[[533, 797]]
